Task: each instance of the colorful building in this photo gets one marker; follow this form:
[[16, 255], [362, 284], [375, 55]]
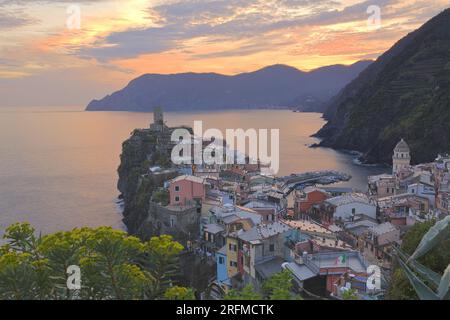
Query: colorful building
[[186, 189]]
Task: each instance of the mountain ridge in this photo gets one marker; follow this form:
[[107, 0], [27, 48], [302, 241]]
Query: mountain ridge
[[403, 94], [272, 86]]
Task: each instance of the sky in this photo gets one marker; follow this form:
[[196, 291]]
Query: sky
[[66, 53]]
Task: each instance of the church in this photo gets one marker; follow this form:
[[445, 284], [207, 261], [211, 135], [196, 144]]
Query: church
[[401, 158], [387, 185]]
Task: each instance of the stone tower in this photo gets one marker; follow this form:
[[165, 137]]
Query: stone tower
[[158, 116], [401, 158], [158, 120]]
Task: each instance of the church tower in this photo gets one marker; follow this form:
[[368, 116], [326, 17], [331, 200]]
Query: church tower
[[401, 158]]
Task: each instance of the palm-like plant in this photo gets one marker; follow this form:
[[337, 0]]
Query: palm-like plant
[[113, 264], [422, 277]]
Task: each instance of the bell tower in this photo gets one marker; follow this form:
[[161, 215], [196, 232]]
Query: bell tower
[[401, 158]]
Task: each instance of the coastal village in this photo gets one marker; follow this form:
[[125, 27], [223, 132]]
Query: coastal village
[[250, 226]]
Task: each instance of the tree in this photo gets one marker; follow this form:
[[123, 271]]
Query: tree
[[179, 293], [162, 258], [113, 264], [279, 286], [247, 293], [349, 294]]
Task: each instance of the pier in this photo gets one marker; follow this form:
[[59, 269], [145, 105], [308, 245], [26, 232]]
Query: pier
[[287, 184]]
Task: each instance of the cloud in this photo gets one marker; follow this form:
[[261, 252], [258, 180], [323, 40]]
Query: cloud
[[14, 18], [188, 19]]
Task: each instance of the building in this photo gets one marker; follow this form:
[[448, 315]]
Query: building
[[181, 222], [305, 199], [379, 241], [223, 220], [261, 251], [382, 186], [318, 274], [158, 124], [221, 262], [344, 208], [401, 158], [187, 189], [425, 191]]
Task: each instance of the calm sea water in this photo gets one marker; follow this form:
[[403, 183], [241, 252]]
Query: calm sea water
[[58, 165]]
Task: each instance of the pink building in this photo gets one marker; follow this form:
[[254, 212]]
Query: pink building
[[185, 189]]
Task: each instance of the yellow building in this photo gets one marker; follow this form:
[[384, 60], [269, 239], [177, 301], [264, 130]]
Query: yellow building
[[232, 256]]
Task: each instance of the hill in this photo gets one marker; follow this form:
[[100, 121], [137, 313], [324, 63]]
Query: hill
[[273, 86], [404, 94]]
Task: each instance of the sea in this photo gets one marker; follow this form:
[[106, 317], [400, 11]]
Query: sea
[[58, 165]]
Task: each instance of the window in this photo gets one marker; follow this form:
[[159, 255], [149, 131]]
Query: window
[[232, 247], [172, 222], [221, 260], [177, 199], [272, 248], [353, 211], [233, 264], [177, 188]]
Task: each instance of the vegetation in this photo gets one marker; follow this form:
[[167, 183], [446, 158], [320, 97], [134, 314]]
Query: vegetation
[[404, 94], [247, 293], [277, 287], [113, 265], [437, 260], [179, 293], [161, 196], [349, 295]]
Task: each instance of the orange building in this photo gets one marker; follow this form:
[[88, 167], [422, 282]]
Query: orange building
[[307, 198]]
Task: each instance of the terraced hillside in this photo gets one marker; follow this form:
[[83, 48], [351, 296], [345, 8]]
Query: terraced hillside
[[404, 94]]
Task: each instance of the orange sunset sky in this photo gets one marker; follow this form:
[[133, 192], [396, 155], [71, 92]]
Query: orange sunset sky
[[45, 63]]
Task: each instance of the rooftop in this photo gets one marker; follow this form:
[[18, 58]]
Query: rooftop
[[269, 268], [266, 231], [330, 243], [349, 198], [306, 226], [188, 178], [383, 228], [402, 146], [213, 228], [312, 189], [229, 213]]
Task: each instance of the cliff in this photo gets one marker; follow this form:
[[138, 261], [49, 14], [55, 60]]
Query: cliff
[[404, 94], [136, 183]]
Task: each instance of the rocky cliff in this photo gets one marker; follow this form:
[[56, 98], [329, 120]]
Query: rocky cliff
[[136, 183], [404, 94]]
